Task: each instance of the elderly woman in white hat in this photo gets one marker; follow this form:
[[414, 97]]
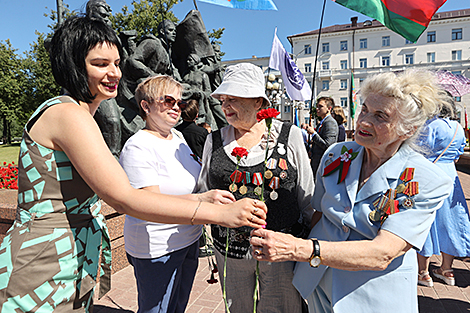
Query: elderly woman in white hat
[[288, 188]]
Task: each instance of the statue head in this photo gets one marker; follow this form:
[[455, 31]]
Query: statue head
[[167, 31], [193, 60], [99, 9], [216, 48]]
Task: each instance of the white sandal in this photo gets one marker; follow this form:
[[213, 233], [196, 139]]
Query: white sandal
[[425, 282], [448, 280]]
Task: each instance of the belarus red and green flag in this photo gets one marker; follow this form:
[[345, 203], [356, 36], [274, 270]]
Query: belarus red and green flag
[[408, 18]]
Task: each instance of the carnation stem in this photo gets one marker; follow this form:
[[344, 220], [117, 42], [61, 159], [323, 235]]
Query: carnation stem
[[225, 273]]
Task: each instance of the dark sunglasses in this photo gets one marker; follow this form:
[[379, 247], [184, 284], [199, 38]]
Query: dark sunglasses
[[169, 102]]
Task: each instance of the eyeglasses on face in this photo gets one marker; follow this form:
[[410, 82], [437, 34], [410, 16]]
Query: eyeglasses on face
[[169, 102]]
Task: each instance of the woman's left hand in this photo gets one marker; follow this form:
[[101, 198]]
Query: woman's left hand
[[279, 247], [217, 196]]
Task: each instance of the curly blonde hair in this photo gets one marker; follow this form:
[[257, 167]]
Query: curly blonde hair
[[417, 96]]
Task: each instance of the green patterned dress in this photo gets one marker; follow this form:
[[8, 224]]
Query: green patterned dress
[[49, 257]]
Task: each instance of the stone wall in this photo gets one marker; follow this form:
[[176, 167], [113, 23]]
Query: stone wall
[[114, 220]]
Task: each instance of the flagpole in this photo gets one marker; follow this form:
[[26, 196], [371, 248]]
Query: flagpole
[[315, 65]]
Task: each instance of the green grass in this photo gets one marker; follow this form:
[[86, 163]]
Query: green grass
[[9, 153]]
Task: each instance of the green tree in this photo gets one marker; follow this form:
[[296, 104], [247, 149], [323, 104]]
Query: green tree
[[11, 86], [144, 17]]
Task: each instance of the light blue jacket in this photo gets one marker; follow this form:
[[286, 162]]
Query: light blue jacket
[[345, 217]]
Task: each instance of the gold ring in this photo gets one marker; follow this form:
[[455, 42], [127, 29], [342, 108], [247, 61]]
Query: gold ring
[[255, 202], [256, 210], [257, 252]]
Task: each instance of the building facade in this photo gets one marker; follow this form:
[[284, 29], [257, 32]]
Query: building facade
[[368, 47]]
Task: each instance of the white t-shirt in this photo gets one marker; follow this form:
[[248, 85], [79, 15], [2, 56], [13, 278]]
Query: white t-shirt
[[151, 161]]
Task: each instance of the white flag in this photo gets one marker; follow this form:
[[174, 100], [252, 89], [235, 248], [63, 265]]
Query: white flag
[[296, 85]]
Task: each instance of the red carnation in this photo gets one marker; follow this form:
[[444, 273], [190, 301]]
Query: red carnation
[[239, 152], [267, 113]]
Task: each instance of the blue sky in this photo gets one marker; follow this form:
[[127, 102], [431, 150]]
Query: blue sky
[[247, 32]]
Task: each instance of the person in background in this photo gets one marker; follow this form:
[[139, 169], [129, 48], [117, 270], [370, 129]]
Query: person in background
[[194, 135], [378, 198], [206, 126], [326, 133], [338, 114], [443, 143], [50, 256], [288, 189]]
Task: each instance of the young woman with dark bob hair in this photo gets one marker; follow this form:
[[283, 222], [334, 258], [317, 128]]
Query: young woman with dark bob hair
[[49, 257]]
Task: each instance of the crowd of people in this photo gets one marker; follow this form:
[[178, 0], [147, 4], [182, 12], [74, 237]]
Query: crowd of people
[[306, 219]]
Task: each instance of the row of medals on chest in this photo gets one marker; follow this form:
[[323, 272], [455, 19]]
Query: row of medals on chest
[[386, 204], [245, 178]]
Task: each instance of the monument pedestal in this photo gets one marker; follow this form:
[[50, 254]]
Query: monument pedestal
[[114, 220]]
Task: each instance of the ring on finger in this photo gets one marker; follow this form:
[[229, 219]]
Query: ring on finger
[[257, 252], [256, 210], [255, 202], [252, 218]]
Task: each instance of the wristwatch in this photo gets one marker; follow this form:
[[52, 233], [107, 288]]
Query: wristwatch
[[315, 259]]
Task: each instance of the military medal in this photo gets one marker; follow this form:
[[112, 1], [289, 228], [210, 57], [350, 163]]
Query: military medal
[[280, 149], [400, 188], [274, 184], [246, 179], [412, 188], [236, 177], [408, 203], [375, 216], [270, 165], [258, 180], [233, 187], [405, 177], [283, 166]]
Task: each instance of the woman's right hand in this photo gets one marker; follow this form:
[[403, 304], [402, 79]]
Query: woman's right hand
[[244, 212]]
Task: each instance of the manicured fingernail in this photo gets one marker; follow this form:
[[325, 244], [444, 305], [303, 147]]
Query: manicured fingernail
[[264, 226]]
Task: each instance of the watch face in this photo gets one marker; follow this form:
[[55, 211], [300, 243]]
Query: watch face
[[315, 261]]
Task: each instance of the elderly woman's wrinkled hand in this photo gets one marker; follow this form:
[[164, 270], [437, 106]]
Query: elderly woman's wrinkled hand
[[245, 212], [273, 246], [217, 196]]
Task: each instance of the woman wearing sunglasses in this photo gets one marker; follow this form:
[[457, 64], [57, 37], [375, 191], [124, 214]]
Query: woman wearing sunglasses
[[157, 159]]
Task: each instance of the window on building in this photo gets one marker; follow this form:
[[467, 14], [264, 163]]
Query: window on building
[[385, 60], [363, 63], [363, 43], [385, 41], [409, 59], [457, 34], [325, 47], [344, 102], [456, 72], [325, 65], [325, 85], [343, 45], [308, 49], [408, 42], [286, 109], [343, 64], [458, 99], [431, 57], [456, 55], [432, 36], [308, 67], [343, 84], [361, 80]]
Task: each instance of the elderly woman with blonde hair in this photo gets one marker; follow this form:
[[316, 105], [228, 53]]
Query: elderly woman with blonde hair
[[378, 199]]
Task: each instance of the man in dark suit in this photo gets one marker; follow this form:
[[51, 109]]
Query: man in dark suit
[[326, 133], [194, 135]]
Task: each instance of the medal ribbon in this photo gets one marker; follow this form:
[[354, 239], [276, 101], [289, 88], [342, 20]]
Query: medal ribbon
[[407, 174], [246, 178], [257, 179], [411, 189], [271, 164], [236, 176], [274, 183], [283, 164]]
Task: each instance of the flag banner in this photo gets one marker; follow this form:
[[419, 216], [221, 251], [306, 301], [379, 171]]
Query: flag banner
[[352, 97], [245, 4], [407, 18], [296, 85]]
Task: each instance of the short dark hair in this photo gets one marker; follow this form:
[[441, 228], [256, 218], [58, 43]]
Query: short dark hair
[[69, 47], [328, 100], [189, 113]]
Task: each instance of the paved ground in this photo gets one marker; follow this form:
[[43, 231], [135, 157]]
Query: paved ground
[[206, 298]]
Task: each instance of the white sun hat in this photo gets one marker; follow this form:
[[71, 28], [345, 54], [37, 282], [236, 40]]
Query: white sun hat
[[244, 80]]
